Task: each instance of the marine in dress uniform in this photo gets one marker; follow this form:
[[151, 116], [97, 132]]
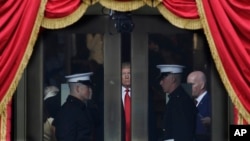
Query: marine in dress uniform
[[180, 111], [77, 118]]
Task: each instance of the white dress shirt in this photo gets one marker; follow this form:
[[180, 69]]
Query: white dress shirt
[[199, 98]]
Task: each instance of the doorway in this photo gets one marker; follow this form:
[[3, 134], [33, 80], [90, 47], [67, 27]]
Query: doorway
[[89, 45]]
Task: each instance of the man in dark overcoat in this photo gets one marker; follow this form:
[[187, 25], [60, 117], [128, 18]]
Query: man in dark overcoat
[[78, 117], [180, 112]]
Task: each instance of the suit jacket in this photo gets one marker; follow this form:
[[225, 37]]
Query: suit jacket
[[204, 110], [180, 116], [123, 122]]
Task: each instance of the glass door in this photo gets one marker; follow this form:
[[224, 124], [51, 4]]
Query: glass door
[[94, 44]]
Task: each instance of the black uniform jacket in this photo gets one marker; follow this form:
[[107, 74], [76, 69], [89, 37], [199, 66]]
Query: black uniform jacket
[[74, 121], [180, 116]]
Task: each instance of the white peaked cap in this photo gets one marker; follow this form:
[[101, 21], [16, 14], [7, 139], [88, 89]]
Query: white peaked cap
[[170, 68], [79, 77]]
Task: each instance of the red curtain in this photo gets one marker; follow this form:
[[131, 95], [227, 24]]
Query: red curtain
[[18, 29], [61, 8], [182, 13], [62, 13], [225, 24], [182, 8]]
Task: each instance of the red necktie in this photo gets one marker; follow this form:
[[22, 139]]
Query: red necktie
[[127, 104]]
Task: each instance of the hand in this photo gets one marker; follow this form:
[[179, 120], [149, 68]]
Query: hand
[[206, 121]]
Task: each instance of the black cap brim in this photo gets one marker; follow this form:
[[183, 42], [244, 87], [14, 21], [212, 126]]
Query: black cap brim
[[163, 75], [87, 83]]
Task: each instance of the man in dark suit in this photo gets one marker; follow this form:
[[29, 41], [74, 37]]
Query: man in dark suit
[[126, 100], [126, 115], [203, 103], [180, 112]]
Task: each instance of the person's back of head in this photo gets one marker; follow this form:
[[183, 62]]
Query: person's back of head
[[72, 88], [198, 81], [80, 85]]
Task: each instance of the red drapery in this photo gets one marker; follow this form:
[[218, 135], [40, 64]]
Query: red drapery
[[225, 24], [226, 27], [19, 25], [182, 13], [182, 8], [61, 13], [61, 8]]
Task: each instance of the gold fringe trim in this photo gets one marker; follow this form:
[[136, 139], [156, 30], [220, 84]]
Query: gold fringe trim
[[25, 59], [153, 3], [192, 24], [240, 119], [219, 66], [3, 124], [57, 23], [122, 5], [90, 2], [8, 96]]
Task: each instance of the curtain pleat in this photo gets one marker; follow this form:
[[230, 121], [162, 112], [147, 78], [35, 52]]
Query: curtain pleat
[[184, 23], [63, 13]]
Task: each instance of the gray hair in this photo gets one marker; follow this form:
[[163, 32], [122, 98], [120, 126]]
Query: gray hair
[[177, 77]]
